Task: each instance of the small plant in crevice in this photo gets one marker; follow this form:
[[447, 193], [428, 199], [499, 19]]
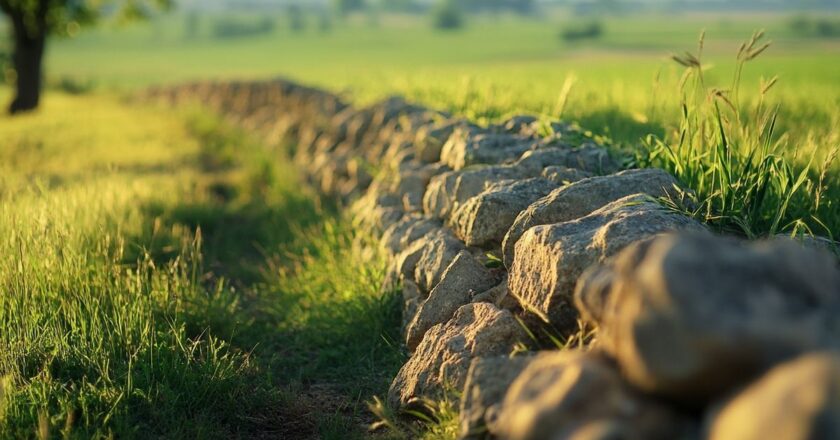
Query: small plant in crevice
[[431, 418], [732, 159]]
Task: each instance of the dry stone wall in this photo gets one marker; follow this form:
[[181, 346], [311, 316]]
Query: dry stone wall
[[497, 235]]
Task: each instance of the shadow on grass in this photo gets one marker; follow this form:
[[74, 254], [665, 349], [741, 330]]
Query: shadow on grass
[[622, 128], [282, 278]]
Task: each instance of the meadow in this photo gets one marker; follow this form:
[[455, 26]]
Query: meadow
[[624, 86], [159, 266]]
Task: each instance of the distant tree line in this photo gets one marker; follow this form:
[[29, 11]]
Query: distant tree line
[[231, 27], [815, 27], [520, 6]]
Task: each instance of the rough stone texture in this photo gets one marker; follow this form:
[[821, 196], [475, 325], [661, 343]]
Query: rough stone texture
[[562, 175], [488, 379], [691, 316], [448, 190], [521, 125], [439, 249], [484, 219], [410, 182], [377, 210], [471, 147], [575, 394], [580, 198], [550, 258], [392, 236], [689, 320], [412, 298], [797, 400], [594, 285], [430, 139], [462, 279], [499, 296], [401, 234], [404, 265], [443, 357], [589, 158]]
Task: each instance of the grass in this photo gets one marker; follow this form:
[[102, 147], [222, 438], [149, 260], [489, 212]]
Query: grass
[[742, 176], [155, 284], [624, 87], [159, 266]]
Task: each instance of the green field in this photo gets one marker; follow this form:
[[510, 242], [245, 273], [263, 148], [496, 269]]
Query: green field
[[624, 83], [164, 274]]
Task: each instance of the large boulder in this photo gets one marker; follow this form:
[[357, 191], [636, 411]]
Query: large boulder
[[584, 196], [550, 258], [463, 278], [577, 394], [691, 316], [443, 357], [488, 380], [484, 219], [797, 400]]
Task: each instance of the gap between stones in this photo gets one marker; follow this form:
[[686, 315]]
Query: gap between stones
[[511, 241]]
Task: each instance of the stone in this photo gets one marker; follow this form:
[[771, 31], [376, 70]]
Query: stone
[[797, 400], [484, 219], [394, 236], [462, 279], [562, 175], [522, 125], [691, 316], [439, 249], [499, 296], [418, 230], [411, 182], [412, 298], [550, 258], [444, 355], [582, 197], [430, 139], [403, 266], [448, 190], [488, 379], [377, 209], [589, 158], [576, 394], [471, 147]]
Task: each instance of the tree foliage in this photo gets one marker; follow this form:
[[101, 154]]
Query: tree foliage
[[346, 6], [448, 15], [62, 17], [32, 21]]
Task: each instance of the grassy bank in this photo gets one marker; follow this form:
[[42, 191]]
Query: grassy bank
[[624, 85], [165, 275]]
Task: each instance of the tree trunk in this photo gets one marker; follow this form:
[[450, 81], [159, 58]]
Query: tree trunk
[[26, 60]]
